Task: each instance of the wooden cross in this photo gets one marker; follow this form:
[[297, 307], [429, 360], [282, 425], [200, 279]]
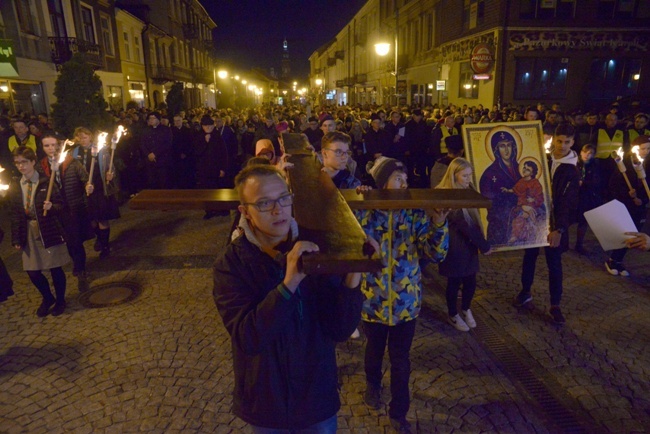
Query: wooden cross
[[322, 211]]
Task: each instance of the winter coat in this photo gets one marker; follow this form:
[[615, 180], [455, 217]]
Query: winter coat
[[465, 240], [345, 180], [283, 344], [394, 294], [159, 141], [49, 225]]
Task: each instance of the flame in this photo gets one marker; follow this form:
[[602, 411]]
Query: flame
[[118, 134], [619, 152], [3, 186], [547, 145], [635, 151], [101, 140], [64, 153]]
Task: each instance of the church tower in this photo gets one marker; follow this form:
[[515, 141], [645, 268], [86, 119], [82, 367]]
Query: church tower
[[286, 64]]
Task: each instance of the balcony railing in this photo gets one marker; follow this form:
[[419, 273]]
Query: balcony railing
[[63, 49]]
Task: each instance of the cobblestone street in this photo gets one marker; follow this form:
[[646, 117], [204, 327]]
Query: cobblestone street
[[161, 362]]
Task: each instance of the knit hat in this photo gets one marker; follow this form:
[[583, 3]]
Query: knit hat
[[454, 143], [382, 168]]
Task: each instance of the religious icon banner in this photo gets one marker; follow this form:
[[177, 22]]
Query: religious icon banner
[[511, 169]]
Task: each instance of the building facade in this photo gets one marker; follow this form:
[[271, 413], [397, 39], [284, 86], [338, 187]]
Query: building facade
[[42, 35], [134, 76], [578, 53], [177, 47]]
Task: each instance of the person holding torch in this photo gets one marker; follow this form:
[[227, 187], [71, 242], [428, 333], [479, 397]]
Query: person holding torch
[[71, 179], [100, 191], [626, 186], [36, 231]]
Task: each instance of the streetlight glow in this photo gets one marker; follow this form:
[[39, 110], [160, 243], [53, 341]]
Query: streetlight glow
[[222, 74], [319, 82], [244, 82], [382, 48], [237, 77]]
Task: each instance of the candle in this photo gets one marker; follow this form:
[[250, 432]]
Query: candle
[[547, 144], [54, 166], [637, 162], [3, 186], [618, 157], [101, 141], [116, 138]]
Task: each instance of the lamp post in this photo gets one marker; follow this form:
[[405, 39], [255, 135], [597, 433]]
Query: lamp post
[[383, 48]]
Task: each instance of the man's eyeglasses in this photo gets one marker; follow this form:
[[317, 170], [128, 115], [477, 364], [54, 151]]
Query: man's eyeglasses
[[267, 205], [21, 163], [338, 152]]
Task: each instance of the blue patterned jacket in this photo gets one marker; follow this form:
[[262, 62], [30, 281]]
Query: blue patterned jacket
[[394, 295]]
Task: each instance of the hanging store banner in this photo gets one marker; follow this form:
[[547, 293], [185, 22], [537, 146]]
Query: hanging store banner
[[482, 58], [547, 41], [8, 64]]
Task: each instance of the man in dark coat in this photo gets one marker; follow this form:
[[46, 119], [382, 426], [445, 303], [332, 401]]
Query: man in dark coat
[[156, 145], [283, 324], [211, 156], [416, 138], [183, 154]]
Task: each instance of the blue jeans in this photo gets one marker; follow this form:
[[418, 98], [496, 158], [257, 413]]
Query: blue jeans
[[328, 426]]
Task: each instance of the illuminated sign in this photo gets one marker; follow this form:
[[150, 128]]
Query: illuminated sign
[[482, 59]]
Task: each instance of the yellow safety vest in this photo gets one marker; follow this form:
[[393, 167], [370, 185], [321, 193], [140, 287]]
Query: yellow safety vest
[[445, 134], [606, 145], [632, 134]]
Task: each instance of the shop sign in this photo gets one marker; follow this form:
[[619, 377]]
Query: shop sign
[[441, 84], [482, 77], [482, 58], [8, 64], [547, 41]]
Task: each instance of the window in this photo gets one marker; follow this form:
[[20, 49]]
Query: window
[[614, 78], [107, 34], [25, 17], [127, 46], [56, 18], [136, 48], [429, 30], [468, 87], [473, 13], [547, 9], [541, 77], [87, 26], [623, 9]]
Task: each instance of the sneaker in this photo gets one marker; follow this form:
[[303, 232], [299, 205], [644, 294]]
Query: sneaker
[[58, 308], [469, 318], [458, 323], [522, 298], [611, 268], [556, 313], [44, 308], [621, 270], [355, 334], [372, 396], [401, 425]]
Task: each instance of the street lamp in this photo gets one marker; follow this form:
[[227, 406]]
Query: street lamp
[[223, 74], [383, 48]]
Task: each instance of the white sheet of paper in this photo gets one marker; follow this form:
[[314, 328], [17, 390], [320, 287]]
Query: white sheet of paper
[[609, 223], [401, 132]]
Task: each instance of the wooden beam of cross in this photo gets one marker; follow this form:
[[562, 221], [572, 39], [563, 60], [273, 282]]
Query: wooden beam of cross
[[323, 212]]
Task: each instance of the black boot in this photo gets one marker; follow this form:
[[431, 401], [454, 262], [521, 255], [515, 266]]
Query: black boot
[[98, 241], [104, 235]]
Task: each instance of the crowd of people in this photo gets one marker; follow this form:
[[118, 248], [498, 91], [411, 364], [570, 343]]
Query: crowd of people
[[284, 324]]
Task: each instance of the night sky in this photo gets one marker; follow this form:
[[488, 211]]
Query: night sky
[[250, 33]]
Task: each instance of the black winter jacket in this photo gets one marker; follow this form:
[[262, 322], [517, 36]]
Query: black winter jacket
[[565, 187], [465, 241], [49, 226], [283, 349]]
